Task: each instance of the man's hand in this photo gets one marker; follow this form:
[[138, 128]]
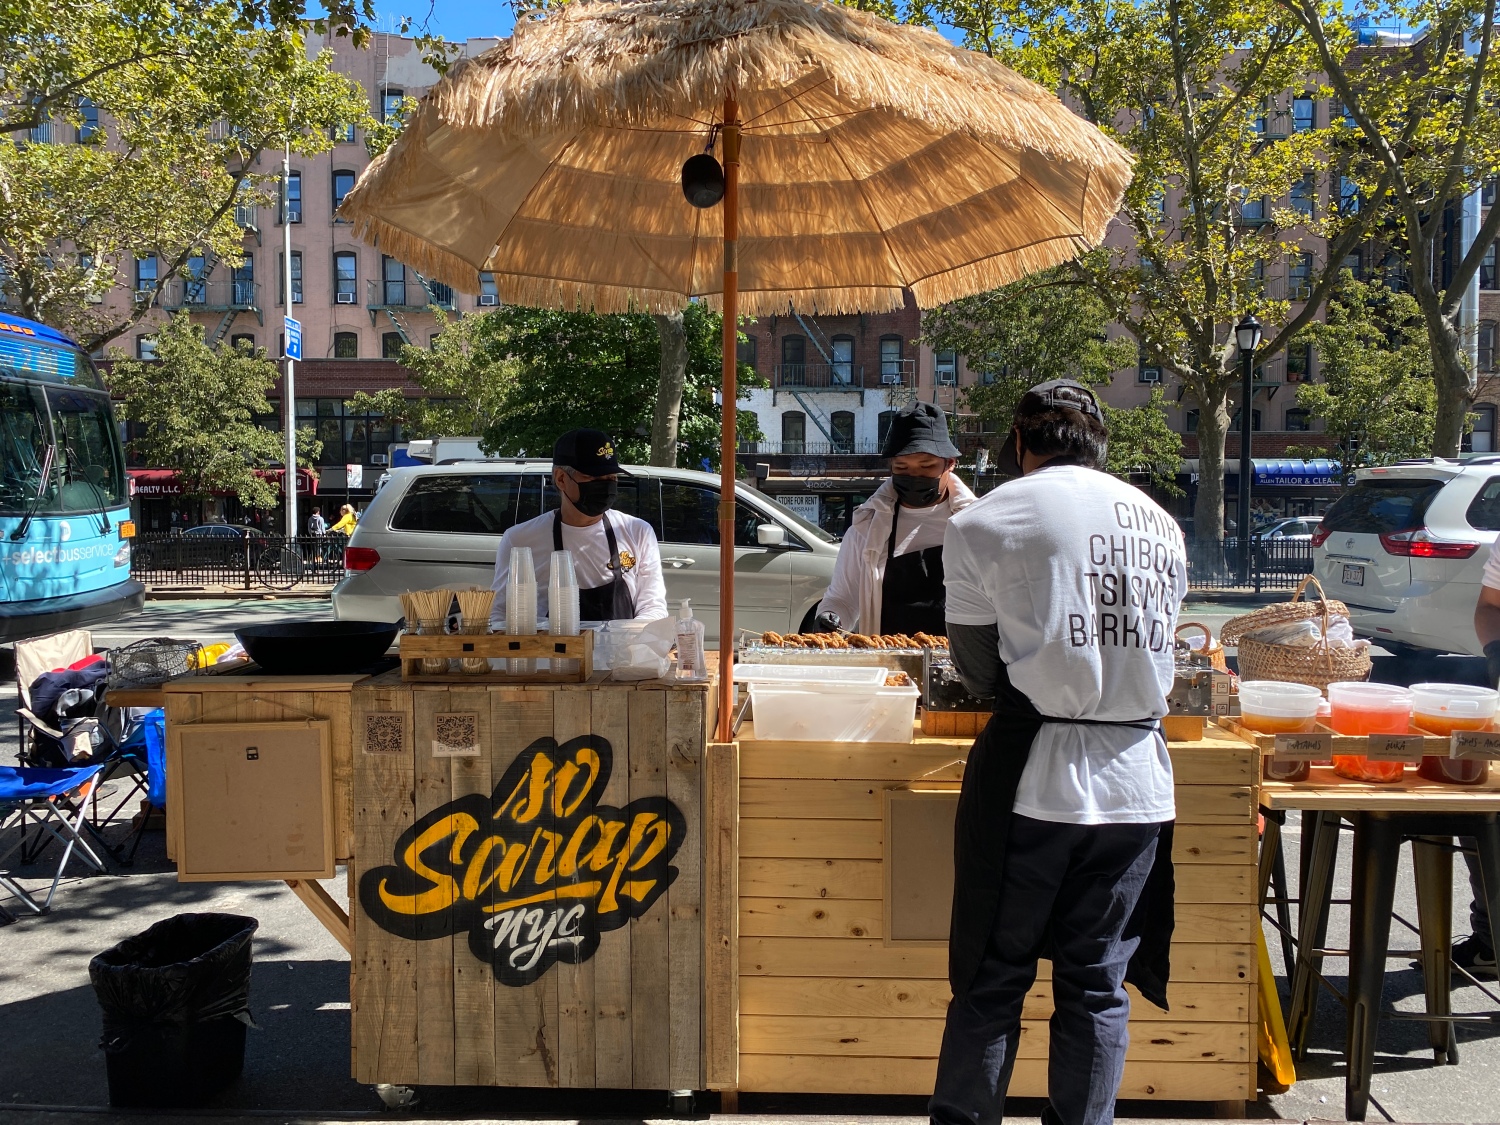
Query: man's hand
[[1487, 627], [827, 622]]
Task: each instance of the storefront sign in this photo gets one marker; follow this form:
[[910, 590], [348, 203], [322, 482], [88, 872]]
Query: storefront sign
[[803, 504], [536, 871]]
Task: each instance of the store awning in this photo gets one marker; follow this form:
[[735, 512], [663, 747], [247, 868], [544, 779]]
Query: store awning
[[1279, 472], [151, 483]]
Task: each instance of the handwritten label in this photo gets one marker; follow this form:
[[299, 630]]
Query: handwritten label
[[1476, 744], [1302, 747], [1395, 748]]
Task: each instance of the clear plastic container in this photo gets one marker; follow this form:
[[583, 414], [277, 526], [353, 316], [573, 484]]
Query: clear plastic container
[[1361, 708], [1272, 707], [824, 712], [809, 674], [1443, 709]]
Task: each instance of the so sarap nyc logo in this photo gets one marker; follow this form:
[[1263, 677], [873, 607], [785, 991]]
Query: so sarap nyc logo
[[535, 872]]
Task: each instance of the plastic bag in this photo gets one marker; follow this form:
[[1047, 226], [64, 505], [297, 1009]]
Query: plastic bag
[[642, 650], [186, 969]]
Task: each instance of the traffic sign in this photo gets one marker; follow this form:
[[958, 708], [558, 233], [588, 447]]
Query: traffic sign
[[293, 339]]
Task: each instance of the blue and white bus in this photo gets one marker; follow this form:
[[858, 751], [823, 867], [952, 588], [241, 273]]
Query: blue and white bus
[[65, 524]]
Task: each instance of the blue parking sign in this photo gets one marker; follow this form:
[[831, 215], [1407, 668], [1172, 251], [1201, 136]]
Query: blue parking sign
[[293, 339]]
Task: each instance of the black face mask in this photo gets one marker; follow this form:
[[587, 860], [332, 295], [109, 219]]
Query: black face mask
[[595, 497], [917, 492]]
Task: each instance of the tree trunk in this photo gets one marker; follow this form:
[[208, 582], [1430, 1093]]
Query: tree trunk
[[1455, 385], [669, 389], [1213, 426]]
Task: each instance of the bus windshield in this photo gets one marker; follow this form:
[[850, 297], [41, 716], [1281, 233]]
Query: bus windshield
[[85, 470]]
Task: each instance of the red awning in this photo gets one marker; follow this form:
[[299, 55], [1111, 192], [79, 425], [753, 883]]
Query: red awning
[[149, 483]]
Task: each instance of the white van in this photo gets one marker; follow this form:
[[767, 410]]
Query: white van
[[439, 525]]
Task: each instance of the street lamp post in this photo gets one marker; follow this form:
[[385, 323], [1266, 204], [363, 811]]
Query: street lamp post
[[1247, 334]]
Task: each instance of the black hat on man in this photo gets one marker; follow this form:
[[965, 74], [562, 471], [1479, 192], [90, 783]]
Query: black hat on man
[[590, 452], [1054, 394], [920, 427]]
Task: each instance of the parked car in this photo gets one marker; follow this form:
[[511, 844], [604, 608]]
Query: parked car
[[1405, 547], [207, 545], [1289, 528], [440, 525]]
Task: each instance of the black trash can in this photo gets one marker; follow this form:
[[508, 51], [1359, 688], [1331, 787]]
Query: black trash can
[[176, 1005]]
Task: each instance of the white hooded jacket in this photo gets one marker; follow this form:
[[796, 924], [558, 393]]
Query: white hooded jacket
[[859, 575]]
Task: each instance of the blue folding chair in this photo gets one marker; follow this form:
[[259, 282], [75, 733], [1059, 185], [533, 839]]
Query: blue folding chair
[[56, 802]]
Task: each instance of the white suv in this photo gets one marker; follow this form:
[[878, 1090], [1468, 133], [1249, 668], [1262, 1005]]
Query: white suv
[[439, 525], [1405, 548]]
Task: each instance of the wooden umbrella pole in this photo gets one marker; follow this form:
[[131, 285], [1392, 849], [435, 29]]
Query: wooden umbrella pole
[[728, 438]]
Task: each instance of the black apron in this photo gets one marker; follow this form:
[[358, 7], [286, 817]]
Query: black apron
[[610, 602], [991, 779], [912, 596]]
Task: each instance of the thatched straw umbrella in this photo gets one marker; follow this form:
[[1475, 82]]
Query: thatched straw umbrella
[[864, 158]]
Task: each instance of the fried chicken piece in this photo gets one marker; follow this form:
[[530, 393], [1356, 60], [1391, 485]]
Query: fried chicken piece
[[901, 640], [772, 639], [859, 640], [897, 679]]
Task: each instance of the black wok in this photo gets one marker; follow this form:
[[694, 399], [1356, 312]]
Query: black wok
[[301, 648]]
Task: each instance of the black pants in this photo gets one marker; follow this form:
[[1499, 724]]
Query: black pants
[[1068, 890]]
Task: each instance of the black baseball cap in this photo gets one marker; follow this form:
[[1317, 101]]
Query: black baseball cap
[[590, 452], [1065, 393], [920, 427]]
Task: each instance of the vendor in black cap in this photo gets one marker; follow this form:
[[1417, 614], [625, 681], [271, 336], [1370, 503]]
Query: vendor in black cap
[[616, 556], [889, 575]]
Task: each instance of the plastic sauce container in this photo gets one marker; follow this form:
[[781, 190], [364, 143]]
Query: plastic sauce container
[[1271, 707], [1361, 708], [1443, 709]]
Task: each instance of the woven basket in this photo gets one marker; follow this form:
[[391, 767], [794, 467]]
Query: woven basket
[[1214, 652], [1317, 665]]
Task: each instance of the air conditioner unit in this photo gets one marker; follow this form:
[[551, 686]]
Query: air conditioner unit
[[488, 299], [891, 380], [343, 299], [1151, 375], [1301, 292], [379, 459], [144, 294], [947, 378], [293, 216]]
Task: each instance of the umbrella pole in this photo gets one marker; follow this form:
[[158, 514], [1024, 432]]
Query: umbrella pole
[[728, 438]]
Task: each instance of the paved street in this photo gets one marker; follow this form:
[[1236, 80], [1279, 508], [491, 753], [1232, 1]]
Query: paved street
[[297, 1061]]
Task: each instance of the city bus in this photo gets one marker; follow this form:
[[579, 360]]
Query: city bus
[[65, 524]]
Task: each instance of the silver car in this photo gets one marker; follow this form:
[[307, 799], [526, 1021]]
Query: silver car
[[439, 525]]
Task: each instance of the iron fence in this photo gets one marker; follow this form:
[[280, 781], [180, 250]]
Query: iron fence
[[236, 557], [1272, 564]]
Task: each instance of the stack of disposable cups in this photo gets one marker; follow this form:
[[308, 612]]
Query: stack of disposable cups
[[562, 603], [520, 605]]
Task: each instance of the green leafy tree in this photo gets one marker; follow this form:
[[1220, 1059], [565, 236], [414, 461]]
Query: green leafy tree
[[196, 406], [1425, 118], [1378, 398], [1050, 326], [1195, 89], [181, 132]]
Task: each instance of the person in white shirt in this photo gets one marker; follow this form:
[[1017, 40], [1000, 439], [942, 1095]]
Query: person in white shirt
[[615, 556], [1063, 593], [889, 574]]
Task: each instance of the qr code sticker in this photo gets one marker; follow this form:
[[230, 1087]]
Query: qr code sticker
[[385, 732], [455, 734]]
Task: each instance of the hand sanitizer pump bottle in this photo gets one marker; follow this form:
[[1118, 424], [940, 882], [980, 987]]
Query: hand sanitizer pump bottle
[[690, 657]]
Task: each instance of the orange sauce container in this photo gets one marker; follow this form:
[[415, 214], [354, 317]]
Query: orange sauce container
[[1361, 708]]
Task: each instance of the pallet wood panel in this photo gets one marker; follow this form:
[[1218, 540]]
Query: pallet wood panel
[[473, 983], [686, 739], [572, 716], [613, 1067], [649, 937], [435, 1017], [721, 949]]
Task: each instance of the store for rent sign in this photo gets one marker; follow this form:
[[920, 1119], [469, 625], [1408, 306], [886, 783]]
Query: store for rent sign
[[536, 871]]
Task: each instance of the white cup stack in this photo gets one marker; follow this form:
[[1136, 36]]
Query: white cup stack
[[562, 603], [520, 605]]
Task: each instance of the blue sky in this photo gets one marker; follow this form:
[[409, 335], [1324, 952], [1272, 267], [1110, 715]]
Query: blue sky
[[454, 19]]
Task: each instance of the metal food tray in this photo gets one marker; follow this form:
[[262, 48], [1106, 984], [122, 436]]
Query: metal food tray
[[908, 660]]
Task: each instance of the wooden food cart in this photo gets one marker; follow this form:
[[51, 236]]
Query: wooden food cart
[[566, 885]]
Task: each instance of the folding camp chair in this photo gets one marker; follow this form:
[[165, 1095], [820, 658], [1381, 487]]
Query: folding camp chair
[[56, 801], [45, 654]]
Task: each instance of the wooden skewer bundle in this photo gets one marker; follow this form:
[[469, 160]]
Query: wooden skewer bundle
[[429, 609], [474, 605]]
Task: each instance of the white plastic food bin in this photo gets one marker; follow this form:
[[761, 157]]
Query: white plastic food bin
[[785, 712]]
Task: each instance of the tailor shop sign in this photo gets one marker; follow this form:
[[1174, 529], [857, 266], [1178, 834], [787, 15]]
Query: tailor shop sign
[[535, 872]]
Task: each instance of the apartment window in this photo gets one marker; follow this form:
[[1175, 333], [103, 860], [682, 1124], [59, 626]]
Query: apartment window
[[1355, 264], [345, 277], [296, 278], [393, 281], [1147, 372], [346, 345], [1254, 209], [1339, 113], [244, 283], [390, 345], [244, 210], [292, 205], [88, 125], [794, 361], [883, 426], [242, 340], [1487, 277], [1297, 420], [342, 134], [843, 359], [1348, 196], [1299, 277], [1486, 358], [841, 427], [890, 359], [1234, 422], [1298, 363], [145, 347], [1258, 275], [195, 286], [1487, 191], [1260, 122], [343, 184], [945, 367], [442, 295], [1303, 194], [390, 104], [744, 351], [1481, 439], [432, 339], [1393, 271], [489, 292], [146, 272], [1190, 422], [793, 432], [1304, 118]]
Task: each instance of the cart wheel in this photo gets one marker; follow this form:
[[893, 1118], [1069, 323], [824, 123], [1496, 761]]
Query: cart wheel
[[681, 1103], [396, 1097]]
